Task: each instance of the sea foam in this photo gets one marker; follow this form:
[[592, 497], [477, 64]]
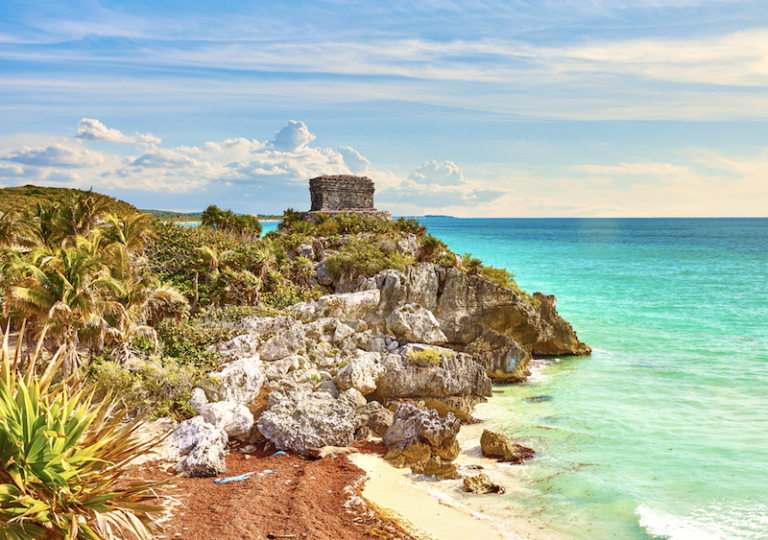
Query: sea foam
[[714, 522]]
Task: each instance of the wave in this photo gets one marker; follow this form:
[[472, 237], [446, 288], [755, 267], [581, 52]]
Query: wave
[[747, 521]]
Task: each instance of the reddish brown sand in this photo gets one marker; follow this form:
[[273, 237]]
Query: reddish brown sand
[[304, 499]]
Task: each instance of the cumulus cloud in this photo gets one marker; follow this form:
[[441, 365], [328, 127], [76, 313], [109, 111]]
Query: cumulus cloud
[[11, 171], [292, 137], [443, 174], [356, 163], [63, 177], [56, 155], [91, 129], [440, 185]]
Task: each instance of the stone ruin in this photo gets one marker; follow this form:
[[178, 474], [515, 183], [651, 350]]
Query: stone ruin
[[342, 194]]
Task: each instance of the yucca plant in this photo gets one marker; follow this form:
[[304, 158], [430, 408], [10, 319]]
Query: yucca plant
[[64, 459]]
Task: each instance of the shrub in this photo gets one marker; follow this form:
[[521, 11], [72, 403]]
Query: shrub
[[64, 459], [156, 389], [366, 258], [425, 358]]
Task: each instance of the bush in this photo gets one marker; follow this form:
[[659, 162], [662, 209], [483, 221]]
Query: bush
[[425, 358], [64, 459], [155, 389], [366, 258]]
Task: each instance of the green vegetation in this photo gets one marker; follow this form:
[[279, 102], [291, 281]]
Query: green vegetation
[[135, 302], [425, 358], [64, 458], [367, 257], [227, 220], [28, 197]]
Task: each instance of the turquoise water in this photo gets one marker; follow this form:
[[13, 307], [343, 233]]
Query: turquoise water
[[663, 431]]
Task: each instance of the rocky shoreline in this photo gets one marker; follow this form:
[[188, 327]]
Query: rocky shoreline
[[401, 356]]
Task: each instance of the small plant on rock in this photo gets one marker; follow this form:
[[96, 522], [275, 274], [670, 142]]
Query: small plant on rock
[[425, 358]]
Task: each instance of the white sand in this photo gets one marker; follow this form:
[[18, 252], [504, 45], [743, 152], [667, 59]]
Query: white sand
[[435, 513]]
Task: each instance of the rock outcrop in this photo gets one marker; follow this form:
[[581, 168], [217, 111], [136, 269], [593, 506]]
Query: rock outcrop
[[481, 484], [563, 339], [198, 448], [502, 448], [421, 440], [299, 420]]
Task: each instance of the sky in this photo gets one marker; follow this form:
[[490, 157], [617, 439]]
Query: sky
[[518, 108]]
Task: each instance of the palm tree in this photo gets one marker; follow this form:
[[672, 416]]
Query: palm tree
[[68, 293], [80, 213], [144, 303], [132, 231], [211, 216]]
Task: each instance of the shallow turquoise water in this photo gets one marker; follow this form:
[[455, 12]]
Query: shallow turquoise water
[[663, 431]]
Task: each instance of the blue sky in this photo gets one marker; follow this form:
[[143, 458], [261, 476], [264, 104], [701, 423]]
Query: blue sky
[[516, 108]]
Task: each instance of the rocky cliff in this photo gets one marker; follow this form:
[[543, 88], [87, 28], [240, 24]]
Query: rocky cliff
[[429, 337]]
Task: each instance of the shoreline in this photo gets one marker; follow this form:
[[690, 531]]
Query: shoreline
[[439, 510]]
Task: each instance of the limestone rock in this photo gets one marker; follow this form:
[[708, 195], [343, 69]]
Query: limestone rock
[[375, 417], [563, 339], [503, 357], [469, 305], [298, 420], [198, 447], [305, 249], [236, 420], [481, 484], [198, 399], [420, 438], [324, 276], [456, 374], [437, 467], [354, 305], [501, 447], [361, 373], [423, 285], [287, 342], [460, 406], [412, 323], [353, 398], [239, 381]]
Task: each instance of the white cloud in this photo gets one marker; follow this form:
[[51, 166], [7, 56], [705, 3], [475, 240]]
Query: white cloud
[[92, 130], [11, 171], [292, 137], [443, 174], [356, 163], [63, 177], [439, 185], [56, 155]]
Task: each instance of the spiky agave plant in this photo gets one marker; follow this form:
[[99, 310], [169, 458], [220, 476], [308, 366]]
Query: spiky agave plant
[[64, 458]]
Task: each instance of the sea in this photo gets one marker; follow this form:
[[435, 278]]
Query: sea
[[663, 431]]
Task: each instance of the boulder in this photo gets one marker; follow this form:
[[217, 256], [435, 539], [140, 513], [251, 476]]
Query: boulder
[[504, 358], [236, 420], [562, 339], [481, 484], [239, 381], [456, 374], [353, 398], [419, 438], [375, 417], [198, 399], [412, 323], [361, 372], [460, 406], [324, 276], [305, 249], [354, 305], [501, 447], [298, 420], [286, 342], [198, 448]]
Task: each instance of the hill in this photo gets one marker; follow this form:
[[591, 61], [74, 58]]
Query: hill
[[29, 196]]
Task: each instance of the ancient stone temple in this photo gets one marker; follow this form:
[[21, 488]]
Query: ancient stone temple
[[342, 194]]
